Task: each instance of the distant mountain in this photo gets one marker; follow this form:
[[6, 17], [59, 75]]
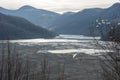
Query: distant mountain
[[76, 23], [81, 22], [18, 28], [111, 12], [113, 15], [68, 13], [37, 16]]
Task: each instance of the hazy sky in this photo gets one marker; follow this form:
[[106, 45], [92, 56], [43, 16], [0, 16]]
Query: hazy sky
[[57, 5]]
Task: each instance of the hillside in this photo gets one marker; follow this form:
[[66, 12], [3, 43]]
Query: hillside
[[37, 16], [76, 23], [81, 22], [18, 28], [112, 14]]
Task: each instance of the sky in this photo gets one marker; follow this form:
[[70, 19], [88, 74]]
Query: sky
[[59, 6]]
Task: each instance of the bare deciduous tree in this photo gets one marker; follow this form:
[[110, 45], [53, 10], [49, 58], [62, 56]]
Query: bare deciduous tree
[[16, 66], [110, 59]]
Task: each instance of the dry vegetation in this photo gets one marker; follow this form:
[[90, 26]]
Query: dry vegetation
[[47, 66]]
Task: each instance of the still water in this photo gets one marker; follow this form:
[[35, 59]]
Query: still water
[[65, 44]]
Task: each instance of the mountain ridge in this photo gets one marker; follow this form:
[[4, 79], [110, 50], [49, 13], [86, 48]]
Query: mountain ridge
[[12, 27], [81, 22], [39, 17]]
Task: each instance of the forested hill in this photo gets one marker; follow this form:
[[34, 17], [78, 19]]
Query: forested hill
[[39, 17], [18, 28]]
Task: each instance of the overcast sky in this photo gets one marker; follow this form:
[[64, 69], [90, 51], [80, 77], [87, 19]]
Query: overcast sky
[[57, 5]]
